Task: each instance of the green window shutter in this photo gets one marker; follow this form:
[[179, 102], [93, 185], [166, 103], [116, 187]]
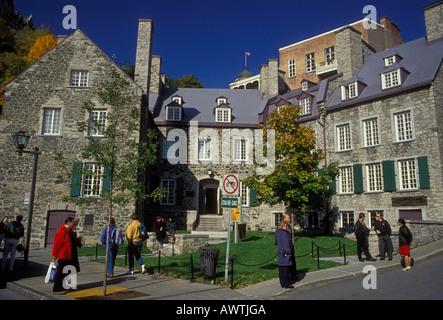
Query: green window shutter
[[389, 175], [424, 173], [76, 178], [252, 197], [106, 186], [333, 186], [358, 178]]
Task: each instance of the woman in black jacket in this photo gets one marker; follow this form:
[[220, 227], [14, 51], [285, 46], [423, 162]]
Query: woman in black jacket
[[404, 243], [284, 254]]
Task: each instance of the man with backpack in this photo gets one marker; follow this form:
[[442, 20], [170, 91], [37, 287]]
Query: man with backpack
[[116, 238], [135, 242], [13, 231]]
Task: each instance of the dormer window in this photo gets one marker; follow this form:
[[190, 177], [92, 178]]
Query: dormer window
[[389, 61], [223, 115], [221, 101], [304, 86], [305, 106], [173, 113], [390, 79], [349, 91], [177, 99]]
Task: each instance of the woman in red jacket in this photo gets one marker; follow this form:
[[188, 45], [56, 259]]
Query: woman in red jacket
[[62, 250]]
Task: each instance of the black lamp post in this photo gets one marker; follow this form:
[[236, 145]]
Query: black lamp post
[[21, 140]]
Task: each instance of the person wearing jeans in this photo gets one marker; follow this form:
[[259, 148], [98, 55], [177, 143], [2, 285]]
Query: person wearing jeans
[[135, 244], [113, 248], [13, 231]]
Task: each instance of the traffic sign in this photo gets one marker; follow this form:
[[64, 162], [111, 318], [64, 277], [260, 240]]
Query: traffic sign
[[229, 202], [231, 183]]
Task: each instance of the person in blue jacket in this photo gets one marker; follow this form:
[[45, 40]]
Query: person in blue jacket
[[284, 254], [113, 248]]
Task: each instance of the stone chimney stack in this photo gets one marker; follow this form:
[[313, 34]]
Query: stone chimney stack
[[269, 77], [156, 74], [434, 20], [143, 54], [349, 51]]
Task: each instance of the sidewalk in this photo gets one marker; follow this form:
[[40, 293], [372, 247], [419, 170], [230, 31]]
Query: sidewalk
[[30, 281]]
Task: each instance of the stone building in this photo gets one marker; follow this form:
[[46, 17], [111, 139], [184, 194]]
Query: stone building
[[378, 115], [379, 118], [45, 100]]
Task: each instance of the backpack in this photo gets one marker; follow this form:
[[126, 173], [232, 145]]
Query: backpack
[[118, 236], [143, 232]]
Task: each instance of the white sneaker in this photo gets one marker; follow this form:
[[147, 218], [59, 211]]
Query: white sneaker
[[130, 272], [143, 269]]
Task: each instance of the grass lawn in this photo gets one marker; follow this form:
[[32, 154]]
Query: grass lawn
[[254, 259]]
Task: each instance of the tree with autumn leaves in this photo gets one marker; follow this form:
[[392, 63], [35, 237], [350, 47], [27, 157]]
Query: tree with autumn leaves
[[297, 180], [21, 48]]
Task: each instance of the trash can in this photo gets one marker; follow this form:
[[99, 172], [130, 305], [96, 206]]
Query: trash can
[[242, 230], [208, 261]]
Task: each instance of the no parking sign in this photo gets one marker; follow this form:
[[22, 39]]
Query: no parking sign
[[231, 183]]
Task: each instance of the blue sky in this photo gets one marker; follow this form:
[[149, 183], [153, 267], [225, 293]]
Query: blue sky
[[209, 38]]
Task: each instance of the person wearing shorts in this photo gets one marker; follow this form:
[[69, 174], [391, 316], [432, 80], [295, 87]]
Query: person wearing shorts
[[404, 242]]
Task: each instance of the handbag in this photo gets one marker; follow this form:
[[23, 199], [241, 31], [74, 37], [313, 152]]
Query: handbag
[[51, 272], [20, 248]]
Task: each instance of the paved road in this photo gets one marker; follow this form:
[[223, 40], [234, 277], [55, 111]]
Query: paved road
[[423, 282], [6, 294]]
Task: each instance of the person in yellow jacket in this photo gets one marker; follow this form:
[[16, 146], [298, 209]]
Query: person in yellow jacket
[[135, 244]]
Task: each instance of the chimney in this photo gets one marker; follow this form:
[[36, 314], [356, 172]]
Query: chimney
[[349, 51], [156, 75], [434, 20], [143, 54], [392, 33]]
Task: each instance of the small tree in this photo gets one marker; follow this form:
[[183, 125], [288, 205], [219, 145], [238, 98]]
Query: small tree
[[296, 181], [122, 168]]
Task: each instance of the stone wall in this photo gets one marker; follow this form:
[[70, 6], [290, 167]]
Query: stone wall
[[184, 243]]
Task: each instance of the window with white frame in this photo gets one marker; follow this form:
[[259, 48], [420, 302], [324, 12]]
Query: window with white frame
[[407, 173], [403, 126], [166, 145], [221, 101], [291, 67], [204, 149], [374, 179], [329, 55], [92, 180], [97, 123], [346, 180], [349, 91], [51, 121], [79, 78], [370, 132], [177, 99], [240, 150], [390, 61], [343, 137], [223, 115], [310, 62], [304, 86], [347, 219], [173, 113], [305, 105], [390, 79], [169, 186], [245, 194]]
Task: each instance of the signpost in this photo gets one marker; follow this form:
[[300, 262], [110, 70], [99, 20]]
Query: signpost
[[232, 201]]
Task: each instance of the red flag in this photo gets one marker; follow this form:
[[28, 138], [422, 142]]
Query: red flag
[[247, 53]]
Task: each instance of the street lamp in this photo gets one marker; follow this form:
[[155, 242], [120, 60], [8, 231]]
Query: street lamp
[[21, 140]]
